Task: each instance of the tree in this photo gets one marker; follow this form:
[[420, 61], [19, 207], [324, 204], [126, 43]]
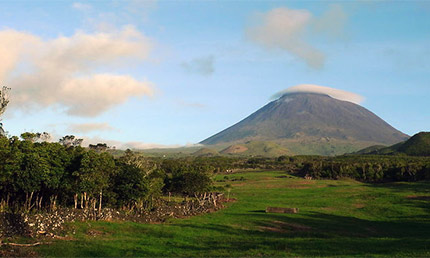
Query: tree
[[43, 137], [34, 170], [36, 137], [9, 165], [130, 185], [195, 183], [55, 184], [4, 100], [139, 161], [99, 147], [95, 172], [70, 141]]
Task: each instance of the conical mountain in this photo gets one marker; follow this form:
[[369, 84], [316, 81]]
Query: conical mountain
[[305, 116]]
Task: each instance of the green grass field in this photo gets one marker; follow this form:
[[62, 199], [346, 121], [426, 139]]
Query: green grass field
[[336, 218]]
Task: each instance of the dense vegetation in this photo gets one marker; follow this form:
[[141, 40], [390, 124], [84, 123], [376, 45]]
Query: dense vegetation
[[365, 168], [369, 168], [35, 174]]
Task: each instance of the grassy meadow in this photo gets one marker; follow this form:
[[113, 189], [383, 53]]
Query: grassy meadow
[[336, 218]]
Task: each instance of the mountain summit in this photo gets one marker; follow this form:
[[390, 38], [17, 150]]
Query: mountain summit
[[304, 116]]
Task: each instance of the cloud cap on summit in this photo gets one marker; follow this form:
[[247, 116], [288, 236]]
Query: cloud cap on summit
[[332, 92]]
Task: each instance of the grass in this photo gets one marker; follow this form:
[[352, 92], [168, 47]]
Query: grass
[[336, 218]]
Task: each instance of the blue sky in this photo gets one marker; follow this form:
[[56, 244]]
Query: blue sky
[[149, 73]]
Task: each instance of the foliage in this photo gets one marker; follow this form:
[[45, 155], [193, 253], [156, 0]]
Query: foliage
[[366, 168], [70, 141], [36, 137], [99, 147], [369, 168], [37, 175]]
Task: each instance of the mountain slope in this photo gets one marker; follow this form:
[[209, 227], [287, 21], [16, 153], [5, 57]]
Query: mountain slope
[[310, 116], [417, 145], [257, 148], [205, 152]]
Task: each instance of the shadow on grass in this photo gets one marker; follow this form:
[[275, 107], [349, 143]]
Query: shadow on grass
[[421, 186], [420, 197], [255, 233], [317, 234], [322, 234], [304, 234]]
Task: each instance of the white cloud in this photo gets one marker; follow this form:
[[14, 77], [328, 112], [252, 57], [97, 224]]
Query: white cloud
[[61, 72], [285, 29], [90, 127], [134, 145], [202, 66], [123, 145], [332, 92], [332, 22], [142, 145], [289, 30], [14, 45], [93, 95]]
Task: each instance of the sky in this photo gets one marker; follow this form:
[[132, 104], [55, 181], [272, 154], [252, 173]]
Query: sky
[[142, 74]]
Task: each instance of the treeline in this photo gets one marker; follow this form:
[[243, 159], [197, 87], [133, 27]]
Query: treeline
[[366, 168], [369, 168], [39, 175]]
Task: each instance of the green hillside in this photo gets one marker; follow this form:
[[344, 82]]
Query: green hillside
[[323, 146], [257, 148], [206, 152], [417, 145], [370, 149], [309, 146]]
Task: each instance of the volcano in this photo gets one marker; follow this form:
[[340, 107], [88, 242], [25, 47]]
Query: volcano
[[310, 118]]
